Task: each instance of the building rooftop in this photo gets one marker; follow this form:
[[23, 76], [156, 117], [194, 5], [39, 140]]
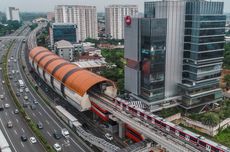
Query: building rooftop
[[63, 44], [90, 64]]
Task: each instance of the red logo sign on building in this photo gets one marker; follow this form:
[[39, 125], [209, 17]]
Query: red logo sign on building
[[128, 20]]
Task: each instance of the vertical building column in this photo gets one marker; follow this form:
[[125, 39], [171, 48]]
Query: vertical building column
[[121, 128]]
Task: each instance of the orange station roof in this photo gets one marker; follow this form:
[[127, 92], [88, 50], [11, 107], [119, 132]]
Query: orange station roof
[[75, 78]]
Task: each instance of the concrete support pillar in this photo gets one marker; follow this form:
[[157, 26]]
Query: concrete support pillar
[[121, 129]]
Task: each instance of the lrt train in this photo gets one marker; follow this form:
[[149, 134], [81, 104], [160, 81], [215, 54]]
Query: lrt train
[[181, 133], [67, 79]]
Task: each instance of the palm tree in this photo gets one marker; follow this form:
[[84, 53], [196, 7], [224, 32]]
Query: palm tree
[[210, 119]]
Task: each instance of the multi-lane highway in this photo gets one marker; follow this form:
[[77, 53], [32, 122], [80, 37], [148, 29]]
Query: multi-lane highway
[[19, 125], [42, 113]]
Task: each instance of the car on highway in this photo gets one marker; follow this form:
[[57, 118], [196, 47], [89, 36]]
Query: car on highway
[[9, 124], [18, 94], [26, 97], [109, 136], [15, 60], [35, 101], [16, 111], [3, 81], [2, 96], [7, 105], [21, 90], [32, 106], [40, 125], [26, 89], [57, 135], [23, 138], [25, 104], [65, 132], [1, 108], [0, 69], [33, 140], [57, 147]]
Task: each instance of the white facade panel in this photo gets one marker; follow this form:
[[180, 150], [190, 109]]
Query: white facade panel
[[174, 11]]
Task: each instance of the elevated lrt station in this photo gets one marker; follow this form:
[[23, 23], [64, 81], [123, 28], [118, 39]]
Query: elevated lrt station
[[67, 79], [88, 91]]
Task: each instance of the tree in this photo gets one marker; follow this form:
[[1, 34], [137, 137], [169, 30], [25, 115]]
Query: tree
[[210, 119], [227, 80]]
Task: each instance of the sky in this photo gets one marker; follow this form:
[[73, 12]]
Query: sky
[[48, 5]]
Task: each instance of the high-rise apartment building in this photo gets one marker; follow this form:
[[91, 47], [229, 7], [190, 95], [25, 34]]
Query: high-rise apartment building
[[85, 17], [189, 68], [12, 14], [114, 19]]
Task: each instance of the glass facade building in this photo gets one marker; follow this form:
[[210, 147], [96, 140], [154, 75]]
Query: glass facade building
[[152, 50], [63, 31], [203, 52], [179, 57]]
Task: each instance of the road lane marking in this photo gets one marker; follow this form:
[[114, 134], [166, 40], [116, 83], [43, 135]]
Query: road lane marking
[[8, 135], [23, 130], [22, 144], [6, 113], [15, 132], [17, 120], [47, 122], [48, 133], [33, 114]]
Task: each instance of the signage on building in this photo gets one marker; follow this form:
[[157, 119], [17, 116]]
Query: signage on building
[[128, 20]]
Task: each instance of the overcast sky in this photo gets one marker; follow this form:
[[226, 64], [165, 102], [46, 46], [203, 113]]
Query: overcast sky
[[48, 5]]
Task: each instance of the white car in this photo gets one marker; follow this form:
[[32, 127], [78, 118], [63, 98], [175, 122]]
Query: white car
[[2, 96], [20, 90], [26, 97], [108, 136], [57, 147], [6, 105], [65, 132], [3, 82], [33, 140], [26, 89]]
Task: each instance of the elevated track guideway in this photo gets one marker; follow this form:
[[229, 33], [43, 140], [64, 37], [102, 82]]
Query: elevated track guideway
[[167, 141]]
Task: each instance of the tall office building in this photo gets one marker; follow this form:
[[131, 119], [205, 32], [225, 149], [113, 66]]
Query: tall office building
[[63, 31], [114, 19], [193, 55], [85, 17], [12, 13]]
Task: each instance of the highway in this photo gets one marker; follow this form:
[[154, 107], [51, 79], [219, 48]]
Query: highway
[[19, 125], [42, 113]]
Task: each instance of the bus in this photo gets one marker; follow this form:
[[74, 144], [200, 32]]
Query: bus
[[21, 83]]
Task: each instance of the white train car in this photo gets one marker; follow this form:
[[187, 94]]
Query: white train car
[[68, 79]]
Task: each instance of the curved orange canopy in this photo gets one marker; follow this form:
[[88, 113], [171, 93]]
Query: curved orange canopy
[[73, 77]]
